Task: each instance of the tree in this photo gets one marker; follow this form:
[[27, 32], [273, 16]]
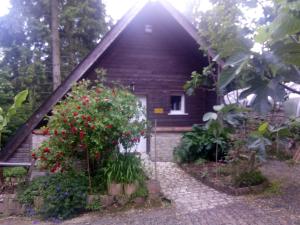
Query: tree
[[55, 44], [228, 34], [25, 42]]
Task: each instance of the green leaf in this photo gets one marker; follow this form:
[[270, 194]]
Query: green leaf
[[236, 59], [288, 52], [262, 35], [263, 128], [284, 24], [20, 98], [226, 77]]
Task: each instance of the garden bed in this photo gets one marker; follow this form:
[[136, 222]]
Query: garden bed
[[217, 176]]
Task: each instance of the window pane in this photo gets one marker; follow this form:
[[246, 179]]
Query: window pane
[[175, 102]]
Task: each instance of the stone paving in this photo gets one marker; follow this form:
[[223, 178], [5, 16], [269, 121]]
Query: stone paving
[[187, 194]]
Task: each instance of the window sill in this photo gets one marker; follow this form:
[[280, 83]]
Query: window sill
[[177, 114]]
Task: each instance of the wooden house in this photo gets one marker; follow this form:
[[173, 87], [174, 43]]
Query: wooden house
[[153, 49]]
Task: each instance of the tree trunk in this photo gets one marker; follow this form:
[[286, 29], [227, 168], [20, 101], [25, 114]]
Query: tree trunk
[[55, 44]]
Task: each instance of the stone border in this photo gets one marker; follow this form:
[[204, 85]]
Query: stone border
[[229, 189]]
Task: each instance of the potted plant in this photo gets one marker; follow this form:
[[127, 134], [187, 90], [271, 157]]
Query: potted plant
[[123, 171]]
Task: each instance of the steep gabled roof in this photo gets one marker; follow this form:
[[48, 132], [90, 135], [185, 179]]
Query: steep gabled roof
[[84, 66]]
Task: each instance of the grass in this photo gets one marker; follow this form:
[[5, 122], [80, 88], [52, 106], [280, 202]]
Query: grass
[[275, 188]]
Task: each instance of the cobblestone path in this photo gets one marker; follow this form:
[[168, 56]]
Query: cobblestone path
[[188, 194]]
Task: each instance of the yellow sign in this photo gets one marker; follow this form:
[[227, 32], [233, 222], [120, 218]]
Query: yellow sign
[[158, 110]]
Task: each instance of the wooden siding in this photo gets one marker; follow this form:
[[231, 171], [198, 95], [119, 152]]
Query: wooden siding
[[23, 153], [158, 64]]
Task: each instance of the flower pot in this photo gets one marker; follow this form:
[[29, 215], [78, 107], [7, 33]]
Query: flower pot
[[153, 187], [129, 189], [115, 189]]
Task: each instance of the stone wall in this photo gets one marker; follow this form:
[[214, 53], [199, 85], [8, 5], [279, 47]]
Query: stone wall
[[165, 144]]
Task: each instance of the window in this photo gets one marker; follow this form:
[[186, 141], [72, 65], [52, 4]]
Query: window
[[177, 105]]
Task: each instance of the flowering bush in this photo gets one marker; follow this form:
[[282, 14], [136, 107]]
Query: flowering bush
[[91, 122]]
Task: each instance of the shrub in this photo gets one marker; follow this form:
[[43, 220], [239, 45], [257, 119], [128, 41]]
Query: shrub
[[251, 178], [201, 143], [90, 123], [64, 194], [17, 172]]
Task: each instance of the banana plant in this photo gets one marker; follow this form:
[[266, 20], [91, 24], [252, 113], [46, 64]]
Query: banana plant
[[5, 117]]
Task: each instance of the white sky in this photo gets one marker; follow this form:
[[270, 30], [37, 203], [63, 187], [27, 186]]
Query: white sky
[[117, 8]]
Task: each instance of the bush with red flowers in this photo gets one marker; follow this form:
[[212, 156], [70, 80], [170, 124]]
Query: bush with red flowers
[[90, 123]]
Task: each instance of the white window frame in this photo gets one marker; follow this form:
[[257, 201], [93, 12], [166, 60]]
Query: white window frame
[[182, 107]]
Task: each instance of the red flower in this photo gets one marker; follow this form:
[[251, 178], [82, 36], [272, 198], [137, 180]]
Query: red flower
[[114, 142], [93, 127], [109, 126], [142, 132], [65, 120], [75, 113], [81, 134], [63, 133], [46, 131], [83, 117], [55, 132], [78, 107], [86, 124], [34, 156], [74, 130], [89, 118], [46, 150]]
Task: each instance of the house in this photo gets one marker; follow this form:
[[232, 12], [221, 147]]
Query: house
[[153, 49]]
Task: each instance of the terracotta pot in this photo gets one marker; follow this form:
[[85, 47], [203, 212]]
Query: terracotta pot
[[129, 189], [115, 189], [153, 187]]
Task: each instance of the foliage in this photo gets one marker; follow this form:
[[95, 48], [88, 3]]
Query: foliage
[[25, 61], [123, 168], [90, 123], [252, 178], [5, 117], [201, 142], [17, 172], [229, 36], [64, 194]]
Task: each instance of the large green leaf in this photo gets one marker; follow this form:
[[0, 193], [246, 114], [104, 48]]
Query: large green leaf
[[226, 77], [262, 35], [18, 101], [284, 24], [20, 98], [288, 52]]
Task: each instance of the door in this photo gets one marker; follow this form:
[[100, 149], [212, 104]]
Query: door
[[142, 145]]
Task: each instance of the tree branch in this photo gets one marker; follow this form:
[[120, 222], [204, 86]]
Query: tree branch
[[289, 88]]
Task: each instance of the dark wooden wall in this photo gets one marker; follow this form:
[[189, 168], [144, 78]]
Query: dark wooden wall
[[158, 64]]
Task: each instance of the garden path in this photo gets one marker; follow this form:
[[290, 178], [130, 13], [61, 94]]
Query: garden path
[[187, 194]]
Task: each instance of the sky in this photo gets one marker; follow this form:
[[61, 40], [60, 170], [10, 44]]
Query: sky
[[116, 8]]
